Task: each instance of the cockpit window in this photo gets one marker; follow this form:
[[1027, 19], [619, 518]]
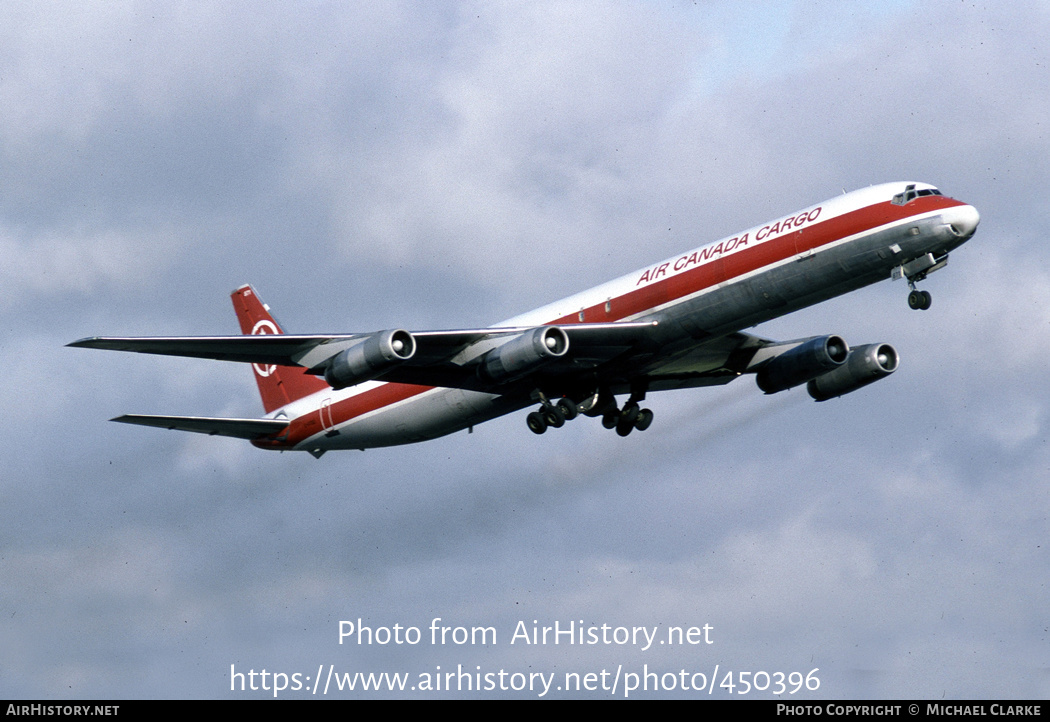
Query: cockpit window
[[911, 194]]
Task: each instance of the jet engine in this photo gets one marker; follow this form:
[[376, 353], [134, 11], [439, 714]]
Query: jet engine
[[368, 359], [524, 353], [865, 365], [806, 361]]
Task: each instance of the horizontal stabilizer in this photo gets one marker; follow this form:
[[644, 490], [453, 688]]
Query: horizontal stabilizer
[[237, 428]]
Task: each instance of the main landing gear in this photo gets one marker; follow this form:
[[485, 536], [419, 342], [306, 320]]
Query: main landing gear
[[627, 419], [624, 420], [552, 415]]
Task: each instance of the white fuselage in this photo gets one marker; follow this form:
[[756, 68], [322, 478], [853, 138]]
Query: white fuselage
[[725, 286]]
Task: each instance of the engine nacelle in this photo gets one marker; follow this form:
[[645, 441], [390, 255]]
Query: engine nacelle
[[865, 365], [365, 360], [804, 362], [524, 353]]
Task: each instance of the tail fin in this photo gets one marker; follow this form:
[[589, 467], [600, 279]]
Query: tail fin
[[278, 385]]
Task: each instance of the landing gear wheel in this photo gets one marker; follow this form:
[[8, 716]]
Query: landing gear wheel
[[568, 409], [609, 418], [645, 418], [628, 416], [553, 416], [536, 422], [630, 413], [919, 300]]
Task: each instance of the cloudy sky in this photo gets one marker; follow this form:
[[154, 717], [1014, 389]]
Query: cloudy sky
[[442, 165]]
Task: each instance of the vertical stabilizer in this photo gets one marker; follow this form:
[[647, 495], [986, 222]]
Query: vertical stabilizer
[[278, 385]]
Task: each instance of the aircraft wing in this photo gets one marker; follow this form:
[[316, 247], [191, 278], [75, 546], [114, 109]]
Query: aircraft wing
[[313, 351], [279, 349], [237, 428], [620, 351]]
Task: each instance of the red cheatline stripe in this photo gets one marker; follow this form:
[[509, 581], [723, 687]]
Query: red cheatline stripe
[[310, 424], [757, 255]]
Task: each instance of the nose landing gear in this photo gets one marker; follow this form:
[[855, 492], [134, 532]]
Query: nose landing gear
[[916, 271], [919, 300]]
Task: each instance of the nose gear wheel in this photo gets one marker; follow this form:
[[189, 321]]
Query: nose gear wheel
[[919, 300]]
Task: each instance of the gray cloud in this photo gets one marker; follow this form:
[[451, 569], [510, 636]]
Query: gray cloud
[[438, 167]]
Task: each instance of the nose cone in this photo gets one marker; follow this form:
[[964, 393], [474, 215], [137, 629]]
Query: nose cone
[[963, 220]]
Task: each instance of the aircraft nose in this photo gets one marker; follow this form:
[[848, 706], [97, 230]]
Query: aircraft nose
[[963, 220]]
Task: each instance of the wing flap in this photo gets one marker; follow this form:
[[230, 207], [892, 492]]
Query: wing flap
[[237, 428], [713, 362]]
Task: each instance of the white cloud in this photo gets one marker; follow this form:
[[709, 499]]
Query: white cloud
[[79, 262], [532, 149]]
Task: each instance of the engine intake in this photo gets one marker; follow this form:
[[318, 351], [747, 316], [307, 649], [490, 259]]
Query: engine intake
[[368, 359], [524, 353], [865, 365], [806, 361]]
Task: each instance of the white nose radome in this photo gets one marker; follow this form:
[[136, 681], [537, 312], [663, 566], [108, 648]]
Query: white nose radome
[[963, 219]]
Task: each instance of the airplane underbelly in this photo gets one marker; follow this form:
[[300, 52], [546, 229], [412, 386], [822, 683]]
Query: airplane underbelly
[[804, 280], [431, 414]]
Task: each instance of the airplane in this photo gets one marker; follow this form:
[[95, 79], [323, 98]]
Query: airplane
[[676, 324]]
